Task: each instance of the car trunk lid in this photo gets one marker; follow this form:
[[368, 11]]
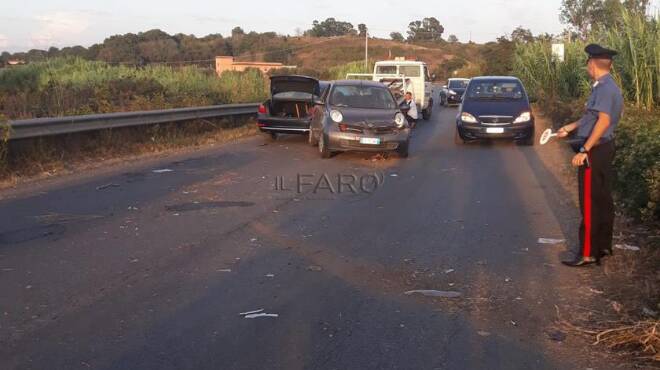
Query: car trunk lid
[[294, 84]]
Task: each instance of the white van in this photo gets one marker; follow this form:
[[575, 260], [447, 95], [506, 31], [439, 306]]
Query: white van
[[402, 75]]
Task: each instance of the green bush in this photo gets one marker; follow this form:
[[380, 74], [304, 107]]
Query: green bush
[[637, 163]]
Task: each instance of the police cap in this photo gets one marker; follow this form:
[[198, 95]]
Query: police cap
[[596, 51]]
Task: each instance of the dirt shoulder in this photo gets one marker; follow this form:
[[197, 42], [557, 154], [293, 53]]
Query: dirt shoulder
[[617, 305]]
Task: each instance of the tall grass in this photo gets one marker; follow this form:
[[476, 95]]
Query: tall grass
[[562, 88], [637, 68], [638, 65], [340, 72], [67, 86]]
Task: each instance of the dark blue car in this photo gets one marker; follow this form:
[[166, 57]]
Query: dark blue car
[[495, 108]]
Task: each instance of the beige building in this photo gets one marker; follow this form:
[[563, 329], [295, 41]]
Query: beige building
[[227, 63]]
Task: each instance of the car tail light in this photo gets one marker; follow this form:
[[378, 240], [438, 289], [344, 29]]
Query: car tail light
[[262, 109]]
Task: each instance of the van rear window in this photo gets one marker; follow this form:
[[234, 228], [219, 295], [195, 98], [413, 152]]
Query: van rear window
[[386, 70]]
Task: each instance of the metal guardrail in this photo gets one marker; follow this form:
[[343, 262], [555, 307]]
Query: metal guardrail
[[30, 128]]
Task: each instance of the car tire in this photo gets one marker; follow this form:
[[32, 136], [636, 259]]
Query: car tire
[[324, 152], [426, 113], [458, 140], [311, 139], [403, 150]]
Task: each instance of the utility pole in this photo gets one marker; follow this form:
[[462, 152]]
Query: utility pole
[[366, 51]]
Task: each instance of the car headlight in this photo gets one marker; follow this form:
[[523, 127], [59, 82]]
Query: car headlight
[[467, 117], [400, 120], [452, 92], [523, 117], [336, 116]]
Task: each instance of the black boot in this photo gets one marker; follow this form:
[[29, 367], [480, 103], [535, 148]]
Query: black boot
[[581, 262]]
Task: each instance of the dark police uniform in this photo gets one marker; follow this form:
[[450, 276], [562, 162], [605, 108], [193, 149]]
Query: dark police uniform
[[595, 179]]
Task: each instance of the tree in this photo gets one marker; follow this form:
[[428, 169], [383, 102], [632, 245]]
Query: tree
[[585, 15], [498, 57], [522, 35], [330, 27], [428, 29], [237, 31], [453, 39], [362, 29], [397, 36]]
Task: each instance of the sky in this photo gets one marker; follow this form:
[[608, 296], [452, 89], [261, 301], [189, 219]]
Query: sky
[[39, 24]]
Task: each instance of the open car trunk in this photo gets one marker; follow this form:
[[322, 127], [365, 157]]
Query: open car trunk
[[290, 108]]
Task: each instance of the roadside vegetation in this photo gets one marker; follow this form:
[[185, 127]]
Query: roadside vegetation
[[73, 86], [562, 88], [631, 283]]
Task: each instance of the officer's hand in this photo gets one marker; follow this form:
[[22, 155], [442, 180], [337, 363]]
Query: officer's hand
[[579, 159], [562, 133]]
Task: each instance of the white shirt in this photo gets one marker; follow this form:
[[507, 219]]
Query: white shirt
[[413, 109]]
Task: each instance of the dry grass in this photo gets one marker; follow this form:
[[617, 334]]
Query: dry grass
[[643, 336], [46, 157]]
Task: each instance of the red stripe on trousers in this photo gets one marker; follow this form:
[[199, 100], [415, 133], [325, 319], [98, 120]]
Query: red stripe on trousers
[[587, 212]]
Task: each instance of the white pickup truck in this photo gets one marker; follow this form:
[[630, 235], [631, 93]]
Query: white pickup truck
[[402, 76]]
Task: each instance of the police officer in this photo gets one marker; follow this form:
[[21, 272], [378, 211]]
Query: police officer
[[594, 145]]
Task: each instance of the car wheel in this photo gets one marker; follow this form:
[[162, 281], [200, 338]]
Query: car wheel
[[323, 147], [402, 150], [426, 113], [311, 139], [458, 140]]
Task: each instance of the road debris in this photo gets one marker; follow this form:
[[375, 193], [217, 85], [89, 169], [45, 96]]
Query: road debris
[[435, 293], [649, 312], [270, 275], [251, 312], [224, 270], [483, 333], [314, 268], [163, 170], [394, 175], [107, 186], [616, 306], [596, 291], [551, 241], [132, 208], [507, 280], [627, 247], [257, 315], [449, 271], [556, 335]]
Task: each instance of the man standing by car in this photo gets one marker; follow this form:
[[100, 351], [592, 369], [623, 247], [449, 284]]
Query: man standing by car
[[595, 152], [411, 114]]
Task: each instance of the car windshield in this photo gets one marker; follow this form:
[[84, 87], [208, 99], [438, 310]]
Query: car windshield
[[366, 97], [510, 90], [458, 84]]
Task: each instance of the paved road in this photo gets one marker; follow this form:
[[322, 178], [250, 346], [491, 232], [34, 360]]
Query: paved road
[[151, 270]]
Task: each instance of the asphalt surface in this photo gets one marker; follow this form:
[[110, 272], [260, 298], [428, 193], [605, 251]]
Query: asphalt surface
[[127, 268]]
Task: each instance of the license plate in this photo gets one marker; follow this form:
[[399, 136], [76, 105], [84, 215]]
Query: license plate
[[370, 140], [494, 130]]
